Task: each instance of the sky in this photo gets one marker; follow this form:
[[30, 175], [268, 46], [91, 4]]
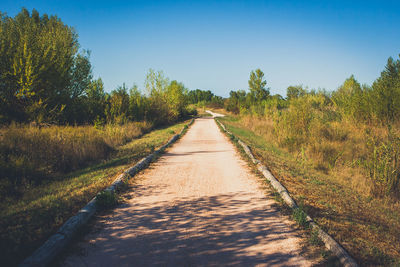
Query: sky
[[214, 45]]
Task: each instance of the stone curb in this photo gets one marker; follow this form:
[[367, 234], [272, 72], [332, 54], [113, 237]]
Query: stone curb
[[330, 243], [45, 254]]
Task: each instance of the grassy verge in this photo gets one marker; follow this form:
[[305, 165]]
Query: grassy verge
[[30, 155], [369, 228], [27, 221]]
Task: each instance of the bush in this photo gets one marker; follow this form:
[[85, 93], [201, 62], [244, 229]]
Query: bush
[[106, 199], [300, 216], [292, 126]]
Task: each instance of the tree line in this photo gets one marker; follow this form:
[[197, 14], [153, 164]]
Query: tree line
[[317, 123], [46, 78], [378, 103]]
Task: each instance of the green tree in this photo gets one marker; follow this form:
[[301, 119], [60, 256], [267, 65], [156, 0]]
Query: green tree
[[352, 100], [80, 81], [137, 105], [386, 93], [41, 72], [156, 85], [118, 105], [257, 84], [295, 92], [236, 101], [95, 100], [176, 100]]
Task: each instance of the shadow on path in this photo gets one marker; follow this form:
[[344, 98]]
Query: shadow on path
[[215, 230]]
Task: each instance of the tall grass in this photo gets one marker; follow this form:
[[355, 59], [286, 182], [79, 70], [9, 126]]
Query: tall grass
[[384, 165], [367, 155], [30, 155]]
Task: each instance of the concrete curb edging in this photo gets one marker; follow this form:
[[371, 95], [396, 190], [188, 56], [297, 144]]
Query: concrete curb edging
[[45, 254], [330, 243]]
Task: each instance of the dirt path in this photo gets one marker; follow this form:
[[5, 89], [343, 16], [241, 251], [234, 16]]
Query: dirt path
[[198, 205]]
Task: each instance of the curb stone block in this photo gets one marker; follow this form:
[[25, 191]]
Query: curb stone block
[[52, 246]]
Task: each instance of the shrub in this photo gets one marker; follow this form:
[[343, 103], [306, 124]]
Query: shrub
[[293, 125], [300, 216], [106, 199]]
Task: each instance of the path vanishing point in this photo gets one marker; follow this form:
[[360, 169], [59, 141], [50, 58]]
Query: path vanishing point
[[198, 205]]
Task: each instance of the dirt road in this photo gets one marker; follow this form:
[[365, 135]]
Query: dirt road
[[199, 205]]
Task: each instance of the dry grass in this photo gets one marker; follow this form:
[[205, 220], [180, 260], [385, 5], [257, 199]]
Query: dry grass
[[332, 147], [30, 155], [336, 191]]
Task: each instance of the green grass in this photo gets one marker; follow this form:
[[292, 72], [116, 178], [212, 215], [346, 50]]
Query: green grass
[[369, 228], [27, 221], [106, 199]]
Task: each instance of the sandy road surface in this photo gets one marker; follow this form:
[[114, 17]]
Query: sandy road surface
[[199, 205]]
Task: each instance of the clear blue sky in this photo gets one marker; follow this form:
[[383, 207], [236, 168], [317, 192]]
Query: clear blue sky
[[215, 44]]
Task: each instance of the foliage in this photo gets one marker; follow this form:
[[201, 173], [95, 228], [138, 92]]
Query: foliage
[[257, 84], [353, 100], [386, 93], [42, 72], [295, 92], [236, 101], [204, 98], [106, 199], [300, 216], [315, 124], [118, 105], [45, 78]]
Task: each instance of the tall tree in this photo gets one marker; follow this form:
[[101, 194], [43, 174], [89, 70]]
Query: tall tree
[[175, 95], [40, 69], [95, 100], [257, 84], [386, 92], [295, 92], [118, 108], [352, 100]]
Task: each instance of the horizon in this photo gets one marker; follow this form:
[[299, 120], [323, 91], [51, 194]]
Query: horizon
[[214, 46]]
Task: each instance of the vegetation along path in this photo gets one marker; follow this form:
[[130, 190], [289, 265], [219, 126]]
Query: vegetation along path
[[198, 205]]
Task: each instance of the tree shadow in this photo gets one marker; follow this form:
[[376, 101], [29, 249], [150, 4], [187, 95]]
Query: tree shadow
[[226, 229]]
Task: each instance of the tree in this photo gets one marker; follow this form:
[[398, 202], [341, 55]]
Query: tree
[[237, 100], [196, 96], [118, 105], [386, 93], [295, 92], [137, 105], [95, 100], [351, 99], [175, 95], [257, 85], [80, 81], [41, 72], [156, 84]]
